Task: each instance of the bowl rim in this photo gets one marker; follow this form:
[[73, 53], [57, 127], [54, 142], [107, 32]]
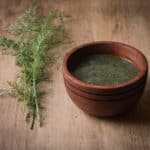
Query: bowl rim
[[82, 84]]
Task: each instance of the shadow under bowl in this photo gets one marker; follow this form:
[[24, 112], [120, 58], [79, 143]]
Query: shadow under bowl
[[105, 100]]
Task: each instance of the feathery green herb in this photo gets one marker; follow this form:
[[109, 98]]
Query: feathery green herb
[[33, 51]]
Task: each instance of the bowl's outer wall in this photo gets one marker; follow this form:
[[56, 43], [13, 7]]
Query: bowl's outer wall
[[104, 108], [108, 97]]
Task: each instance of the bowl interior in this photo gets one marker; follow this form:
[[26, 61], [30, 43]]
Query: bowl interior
[[116, 49]]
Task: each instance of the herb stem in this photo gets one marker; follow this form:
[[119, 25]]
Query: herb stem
[[25, 88], [36, 101], [33, 119]]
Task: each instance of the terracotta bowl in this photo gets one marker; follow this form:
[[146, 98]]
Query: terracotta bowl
[[105, 100]]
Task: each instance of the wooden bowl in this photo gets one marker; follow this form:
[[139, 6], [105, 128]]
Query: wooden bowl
[[105, 100]]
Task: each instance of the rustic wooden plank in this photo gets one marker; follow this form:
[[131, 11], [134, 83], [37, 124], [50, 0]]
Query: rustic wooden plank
[[65, 126]]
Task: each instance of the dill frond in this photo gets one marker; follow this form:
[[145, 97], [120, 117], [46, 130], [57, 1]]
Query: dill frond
[[34, 53]]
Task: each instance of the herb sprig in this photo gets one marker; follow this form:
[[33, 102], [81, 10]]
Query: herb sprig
[[33, 52]]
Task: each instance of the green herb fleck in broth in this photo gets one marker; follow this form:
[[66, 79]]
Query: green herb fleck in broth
[[104, 70]]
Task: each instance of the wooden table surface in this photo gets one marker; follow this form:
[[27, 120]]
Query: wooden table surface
[[65, 127]]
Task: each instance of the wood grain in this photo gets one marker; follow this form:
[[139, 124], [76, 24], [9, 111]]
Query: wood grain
[[65, 126]]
